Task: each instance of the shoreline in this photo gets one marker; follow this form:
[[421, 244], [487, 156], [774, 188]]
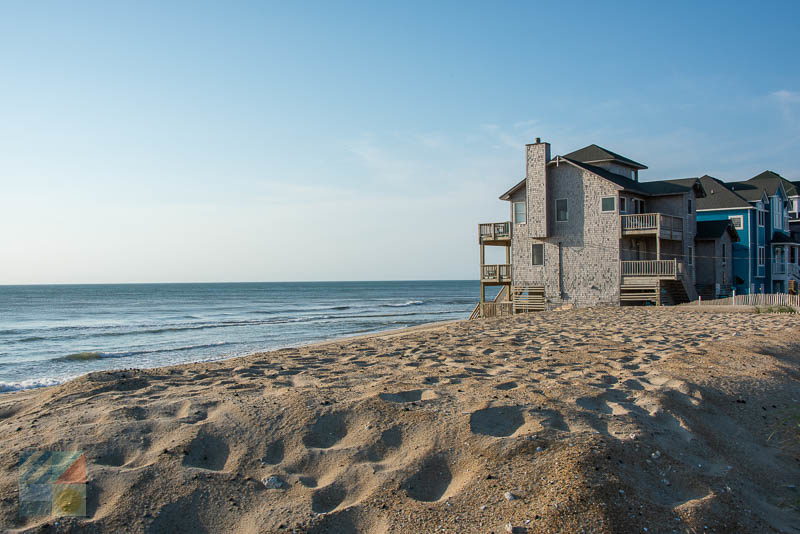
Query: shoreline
[[389, 331]]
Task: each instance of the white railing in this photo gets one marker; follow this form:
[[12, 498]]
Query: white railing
[[652, 268], [753, 299], [499, 273], [494, 231]]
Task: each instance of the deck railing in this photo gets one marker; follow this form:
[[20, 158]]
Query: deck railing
[[655, 222], [500, 273], [651, 268], [494, 231]]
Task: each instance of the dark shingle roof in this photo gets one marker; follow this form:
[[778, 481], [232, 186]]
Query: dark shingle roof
[[749, 191], [719, 196], [622, 181], [594, 153], [716, 229], [771, 181], [779, 237], [656, 188]]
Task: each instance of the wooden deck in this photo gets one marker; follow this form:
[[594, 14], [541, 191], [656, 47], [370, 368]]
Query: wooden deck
[[495, 234], [649, 270], [655, 224], [496, 274]]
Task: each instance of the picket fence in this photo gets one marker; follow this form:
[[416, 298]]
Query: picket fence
[[753, 299]]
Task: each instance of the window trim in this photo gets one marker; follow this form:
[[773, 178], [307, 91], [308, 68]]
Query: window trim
[[524, 211], [566, 210], [734, 218], [613, 209], [533, 256]]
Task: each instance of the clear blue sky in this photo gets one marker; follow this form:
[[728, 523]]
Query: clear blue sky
[[236, 141]]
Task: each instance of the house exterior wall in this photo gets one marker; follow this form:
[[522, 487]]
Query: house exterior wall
[[714, 266], [537, 190], [581, 255], [744, 253]]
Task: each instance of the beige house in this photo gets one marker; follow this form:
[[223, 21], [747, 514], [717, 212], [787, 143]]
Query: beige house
[[585, 231]]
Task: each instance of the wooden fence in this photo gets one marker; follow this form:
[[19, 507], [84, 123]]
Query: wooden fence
[[753, 299]]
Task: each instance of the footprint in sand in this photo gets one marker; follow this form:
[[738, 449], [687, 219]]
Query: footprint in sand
[[207, 451], [409, 396], [499, 421], [326, 499], [326, 431]]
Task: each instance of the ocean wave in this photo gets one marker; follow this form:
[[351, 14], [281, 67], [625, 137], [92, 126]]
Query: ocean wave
[[91, 355], [32, 383], [407, 303]]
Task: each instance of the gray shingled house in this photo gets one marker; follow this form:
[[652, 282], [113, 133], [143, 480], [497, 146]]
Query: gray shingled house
[[585, 231], [714, 258]]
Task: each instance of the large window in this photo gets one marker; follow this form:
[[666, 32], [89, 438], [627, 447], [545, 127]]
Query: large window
[[562, 213], [738, 221], [519, 212], [537, 254], [607, 204]]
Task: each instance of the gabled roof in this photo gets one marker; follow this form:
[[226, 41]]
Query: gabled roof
[[751, 192], [596, 154], [771, 181], [716, 229], [618, 179], [507, 194], [719, 196]]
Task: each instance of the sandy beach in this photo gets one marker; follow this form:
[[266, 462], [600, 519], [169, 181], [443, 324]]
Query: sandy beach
[[596, 420]]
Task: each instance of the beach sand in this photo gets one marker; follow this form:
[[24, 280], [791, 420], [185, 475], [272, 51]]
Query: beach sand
[[597, 420]]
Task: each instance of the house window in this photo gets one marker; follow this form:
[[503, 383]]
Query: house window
[[738, 221], [607, 204], [762, 256], [519, 212], [690, 258], [792, 254], [690, 206], [561, 210], [762, 217], [724, 255], [537, 254], [622, 205]]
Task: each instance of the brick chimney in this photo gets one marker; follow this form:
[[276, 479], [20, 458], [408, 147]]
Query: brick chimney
[[538, 192]]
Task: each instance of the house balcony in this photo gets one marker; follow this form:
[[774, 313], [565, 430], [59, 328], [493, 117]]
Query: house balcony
[[498, 233], [655, 224], [499, 274], [650, 270]]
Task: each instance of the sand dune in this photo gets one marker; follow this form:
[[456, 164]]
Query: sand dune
[[602, 420]]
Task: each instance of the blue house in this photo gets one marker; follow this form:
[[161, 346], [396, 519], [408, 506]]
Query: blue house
[[765, 259], [776, 197]]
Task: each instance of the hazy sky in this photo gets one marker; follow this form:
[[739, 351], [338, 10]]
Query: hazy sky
[[250, 141]]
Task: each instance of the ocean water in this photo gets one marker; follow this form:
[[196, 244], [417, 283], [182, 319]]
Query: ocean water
[[49, 334]]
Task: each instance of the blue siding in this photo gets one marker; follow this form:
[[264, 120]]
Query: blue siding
[[745, 252]]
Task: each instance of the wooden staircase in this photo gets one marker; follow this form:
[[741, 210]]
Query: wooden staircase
[[657, 292], [527, 298], [520, 300]]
